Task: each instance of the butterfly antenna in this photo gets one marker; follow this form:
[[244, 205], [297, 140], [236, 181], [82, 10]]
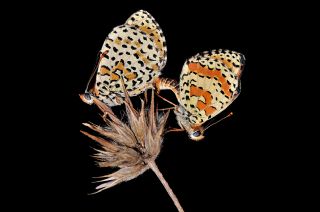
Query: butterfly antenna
[[100, 56], [227, 116]]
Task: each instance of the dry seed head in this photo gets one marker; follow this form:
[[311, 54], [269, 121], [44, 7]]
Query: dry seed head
[[129, 146]]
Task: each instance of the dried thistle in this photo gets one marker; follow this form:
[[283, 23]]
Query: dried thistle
[[132, 147]]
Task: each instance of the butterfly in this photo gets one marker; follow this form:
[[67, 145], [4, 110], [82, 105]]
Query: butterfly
[[209, 83], [133, 53]]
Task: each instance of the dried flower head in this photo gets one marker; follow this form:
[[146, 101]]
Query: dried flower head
[[132, 146]]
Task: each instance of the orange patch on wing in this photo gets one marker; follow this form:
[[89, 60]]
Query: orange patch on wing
[[142, 57], [127, 41], [137, 44], [155, 36], [114, 76], [201, 105], [117, 41], [155, 67], [195, 91], [209, 110], [104, 70], [204, 71], [228, 64], [129, 75], [96, 91], [224, 61]]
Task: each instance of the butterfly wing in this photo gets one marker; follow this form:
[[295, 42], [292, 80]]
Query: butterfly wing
[[146, 23], [233, 60], [209, 83], [134, 51]]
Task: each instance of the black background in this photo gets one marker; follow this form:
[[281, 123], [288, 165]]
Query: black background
[[239, 165]]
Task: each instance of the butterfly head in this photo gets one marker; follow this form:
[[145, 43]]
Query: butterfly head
[[87, 98], [194, 131]]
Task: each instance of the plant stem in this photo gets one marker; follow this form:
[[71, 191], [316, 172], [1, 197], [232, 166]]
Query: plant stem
[[175, 200]]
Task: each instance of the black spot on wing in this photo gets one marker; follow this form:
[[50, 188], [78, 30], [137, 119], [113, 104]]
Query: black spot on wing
[[139, 80], [136, 55], [149, 78], [193, 80], [150, 58], [107, 45], [134, 82], [101, 92], [235, 65], [184, 75], [185, 84], [141, 63]]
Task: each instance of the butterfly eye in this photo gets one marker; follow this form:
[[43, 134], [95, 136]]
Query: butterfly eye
[[196, 133], [87, 96]]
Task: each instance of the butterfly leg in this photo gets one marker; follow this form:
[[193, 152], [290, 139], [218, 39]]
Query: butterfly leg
[[167, 84], [166, 100], [168, 108], [175, 130]]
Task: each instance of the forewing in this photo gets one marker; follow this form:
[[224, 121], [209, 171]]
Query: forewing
[[146, 23]]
